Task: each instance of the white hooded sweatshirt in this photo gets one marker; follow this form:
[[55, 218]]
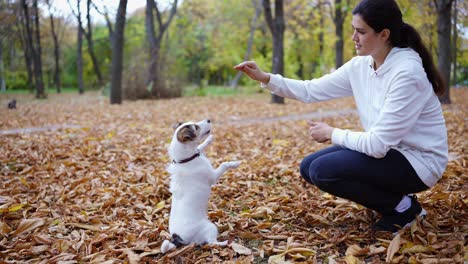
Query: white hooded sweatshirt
[[397, 108]]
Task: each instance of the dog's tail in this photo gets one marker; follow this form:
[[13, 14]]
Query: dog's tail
[[176, 241]]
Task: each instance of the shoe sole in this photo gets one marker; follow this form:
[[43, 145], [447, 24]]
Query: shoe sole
[[422, 214]]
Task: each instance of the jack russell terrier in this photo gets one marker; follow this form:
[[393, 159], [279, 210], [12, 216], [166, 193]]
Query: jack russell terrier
[[192, 176]]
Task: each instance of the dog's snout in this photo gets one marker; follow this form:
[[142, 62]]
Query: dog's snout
[[208, 121]]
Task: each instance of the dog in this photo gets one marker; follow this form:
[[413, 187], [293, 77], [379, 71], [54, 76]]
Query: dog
[[12, 104], [192, 176]]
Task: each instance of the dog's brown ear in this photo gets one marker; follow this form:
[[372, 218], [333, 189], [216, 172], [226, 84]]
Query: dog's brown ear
[[176, 125], [187, 133]]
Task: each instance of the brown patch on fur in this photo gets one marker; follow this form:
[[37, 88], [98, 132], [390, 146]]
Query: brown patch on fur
[[176, 125], [187, 133]]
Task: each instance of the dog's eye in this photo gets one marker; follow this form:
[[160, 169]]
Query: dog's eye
[[196, 127]]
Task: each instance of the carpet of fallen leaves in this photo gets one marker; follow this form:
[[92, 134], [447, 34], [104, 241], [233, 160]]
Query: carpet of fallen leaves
[[83, 181]]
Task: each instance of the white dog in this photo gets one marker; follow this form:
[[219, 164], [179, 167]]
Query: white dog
[[192, 176]]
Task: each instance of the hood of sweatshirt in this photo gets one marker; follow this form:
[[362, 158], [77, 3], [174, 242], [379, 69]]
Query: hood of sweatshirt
[[393, 59]]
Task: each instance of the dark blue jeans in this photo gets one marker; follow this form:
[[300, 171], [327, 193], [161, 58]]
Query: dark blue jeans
[[378, 184]]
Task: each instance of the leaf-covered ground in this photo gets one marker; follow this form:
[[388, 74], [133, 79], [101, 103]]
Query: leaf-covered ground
[[83, 181]]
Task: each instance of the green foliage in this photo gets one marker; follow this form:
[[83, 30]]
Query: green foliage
[[16, 80], [213, 90], [206, 39]]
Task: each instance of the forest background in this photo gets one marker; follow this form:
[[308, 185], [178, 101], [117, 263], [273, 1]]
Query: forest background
[[85, 180], [173, 47]]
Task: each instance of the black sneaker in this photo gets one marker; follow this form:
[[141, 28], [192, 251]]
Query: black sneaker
[[393, 223]]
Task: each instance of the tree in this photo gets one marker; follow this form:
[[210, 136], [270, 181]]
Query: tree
[[338, 19], [444, 14], [454, 42], [277, 27], [89, 39], [105, 13], [57, 79], [117, 54], [7, 20], [79, 46], [34, 45], [155, 43], [253, 26]]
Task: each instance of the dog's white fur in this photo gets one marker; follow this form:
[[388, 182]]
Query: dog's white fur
[[191, 186]]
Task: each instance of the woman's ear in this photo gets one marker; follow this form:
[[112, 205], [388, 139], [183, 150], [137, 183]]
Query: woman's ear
[[385, 34]]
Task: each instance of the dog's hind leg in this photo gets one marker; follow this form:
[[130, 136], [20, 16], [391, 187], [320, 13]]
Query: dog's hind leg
[[210, 235]]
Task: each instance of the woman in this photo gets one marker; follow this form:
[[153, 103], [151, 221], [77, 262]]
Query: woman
[[403, 149]]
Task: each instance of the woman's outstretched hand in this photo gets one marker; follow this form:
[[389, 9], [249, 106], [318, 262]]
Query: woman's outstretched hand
[[320, 132], [253, 71]]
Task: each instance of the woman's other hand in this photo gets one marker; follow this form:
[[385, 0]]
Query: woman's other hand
[[253, 71], [320, 132]]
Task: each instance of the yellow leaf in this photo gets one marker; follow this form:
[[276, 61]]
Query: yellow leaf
[[350, 259], [24, 182], [16, 207], [417, 249], [280, 142], [110, 134], [160, 205]]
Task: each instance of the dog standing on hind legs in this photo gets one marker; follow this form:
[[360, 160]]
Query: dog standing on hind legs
[[192, 176]]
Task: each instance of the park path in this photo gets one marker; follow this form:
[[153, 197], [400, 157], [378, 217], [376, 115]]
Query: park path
[[236, 122]]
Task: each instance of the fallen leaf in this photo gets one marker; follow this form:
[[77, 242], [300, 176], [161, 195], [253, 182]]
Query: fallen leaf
[[239, 249], [393, 248], [27, 225]]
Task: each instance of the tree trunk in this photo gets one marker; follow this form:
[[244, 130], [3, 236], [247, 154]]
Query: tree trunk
[[454, 43], [339, 20], [89, 38], [79, 47], [24, 39], [2, 71], [155, 43], [57, 79], [117, 55], [444, 8], [277, 27], [153, 50], [40, 92], [253, 27]]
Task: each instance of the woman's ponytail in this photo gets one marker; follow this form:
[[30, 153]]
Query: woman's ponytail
[[411, 38]]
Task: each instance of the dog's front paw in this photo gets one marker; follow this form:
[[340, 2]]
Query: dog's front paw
[[232, 164], [208, 140]]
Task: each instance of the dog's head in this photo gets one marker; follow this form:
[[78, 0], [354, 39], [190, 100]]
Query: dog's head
[[192, 132]]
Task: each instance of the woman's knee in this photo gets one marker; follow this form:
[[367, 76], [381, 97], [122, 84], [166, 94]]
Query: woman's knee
[[320, 173], [309, 167], [304, 169]]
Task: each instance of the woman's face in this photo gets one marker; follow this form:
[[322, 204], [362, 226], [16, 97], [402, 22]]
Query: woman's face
[[366, 40]]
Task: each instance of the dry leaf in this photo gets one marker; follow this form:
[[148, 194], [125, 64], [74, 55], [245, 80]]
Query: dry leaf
[[103, 169], [393, 248], [27, 225], [355, 250], [350, 259], [239, 249]]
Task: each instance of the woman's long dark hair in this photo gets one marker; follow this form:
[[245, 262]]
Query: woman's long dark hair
[[382, 14]]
